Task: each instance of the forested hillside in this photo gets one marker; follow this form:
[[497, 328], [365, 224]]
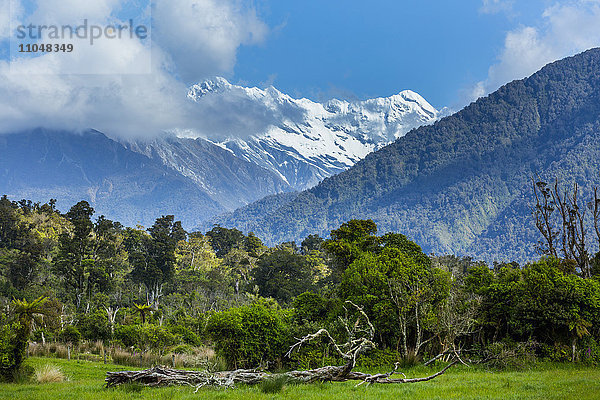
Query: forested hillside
[[464, 185]]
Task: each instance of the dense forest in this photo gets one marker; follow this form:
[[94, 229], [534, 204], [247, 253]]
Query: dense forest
[[75, 280], [463, 184]]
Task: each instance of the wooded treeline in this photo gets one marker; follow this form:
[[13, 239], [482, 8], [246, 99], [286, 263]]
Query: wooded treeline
[[163, 289]]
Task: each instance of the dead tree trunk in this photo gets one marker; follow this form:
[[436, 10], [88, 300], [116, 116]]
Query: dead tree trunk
[[161, 376]]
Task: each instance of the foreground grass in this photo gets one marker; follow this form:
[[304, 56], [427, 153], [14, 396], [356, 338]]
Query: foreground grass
[[86, 379]]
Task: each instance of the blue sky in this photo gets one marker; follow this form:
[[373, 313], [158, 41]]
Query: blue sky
[[322, 49]]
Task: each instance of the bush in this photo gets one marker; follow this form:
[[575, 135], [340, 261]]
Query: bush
[[185, 335], [13, 343], [250, 335], [94, 326], [144, 336], [129, 335], [311, 307], [157, 337], [377, 358], [70, 334]]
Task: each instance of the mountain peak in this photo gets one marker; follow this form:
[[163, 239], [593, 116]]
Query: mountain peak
[[304, 141], [209, 86]]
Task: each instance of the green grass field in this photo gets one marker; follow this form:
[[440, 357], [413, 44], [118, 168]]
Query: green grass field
[[546, 381]]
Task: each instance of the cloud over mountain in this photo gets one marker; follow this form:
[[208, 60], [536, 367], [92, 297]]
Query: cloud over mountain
[[197, 40]]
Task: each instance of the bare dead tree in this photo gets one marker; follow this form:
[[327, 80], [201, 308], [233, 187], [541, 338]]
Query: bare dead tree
[[410, 298], [573, 223], [595, 208], [456, 321], [543, 212], [112, 317], [360, 339]]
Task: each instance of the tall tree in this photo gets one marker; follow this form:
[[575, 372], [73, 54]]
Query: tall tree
[[153, 256], [75, 255]]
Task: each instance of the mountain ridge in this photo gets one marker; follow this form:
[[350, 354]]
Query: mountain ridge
[[462, 184], [305, 141]]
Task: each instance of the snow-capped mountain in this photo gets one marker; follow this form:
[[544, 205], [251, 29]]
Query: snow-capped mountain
[[304, 141], [255, 143]]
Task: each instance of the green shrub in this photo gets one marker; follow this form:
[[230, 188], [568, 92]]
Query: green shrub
[[11, 355], [94, 326], [182, 349], [148, 337], [70, 334], [311, 307], [590, 351], [129, 335], [377, 358], [250, 335], [157, 337], [185, 335]]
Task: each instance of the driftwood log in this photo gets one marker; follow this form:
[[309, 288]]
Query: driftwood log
[[360, 335], [161, 376]]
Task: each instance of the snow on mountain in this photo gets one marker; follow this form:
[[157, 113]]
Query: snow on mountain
[[305, 141], [225, 178]]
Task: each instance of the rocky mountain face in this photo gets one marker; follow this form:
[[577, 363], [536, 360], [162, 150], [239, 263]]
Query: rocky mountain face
[[228, 180], [304, 141]]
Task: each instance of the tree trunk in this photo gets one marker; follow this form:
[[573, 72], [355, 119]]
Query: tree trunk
[[161, 376]]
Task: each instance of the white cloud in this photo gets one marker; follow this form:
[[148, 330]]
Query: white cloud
[[567, 29], [202, 36], [196, 39]]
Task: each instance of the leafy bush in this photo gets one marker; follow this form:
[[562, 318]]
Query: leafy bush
[[70, 334], [10, 355], [144, 336], [376, 358], [129, 335], [311, 307], [157, 337], [94, 326], [250, 335], [185, 335], [590, 351]]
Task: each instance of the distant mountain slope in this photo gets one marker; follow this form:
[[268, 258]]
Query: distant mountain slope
[[463, 185], [246, 217], [227, 179], [119, 183], [303, 141]]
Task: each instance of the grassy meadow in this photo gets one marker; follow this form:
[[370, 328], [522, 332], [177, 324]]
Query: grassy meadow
[[546, 381]]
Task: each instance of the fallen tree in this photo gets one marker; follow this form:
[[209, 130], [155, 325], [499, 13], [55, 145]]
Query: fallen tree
[[360, 335]]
